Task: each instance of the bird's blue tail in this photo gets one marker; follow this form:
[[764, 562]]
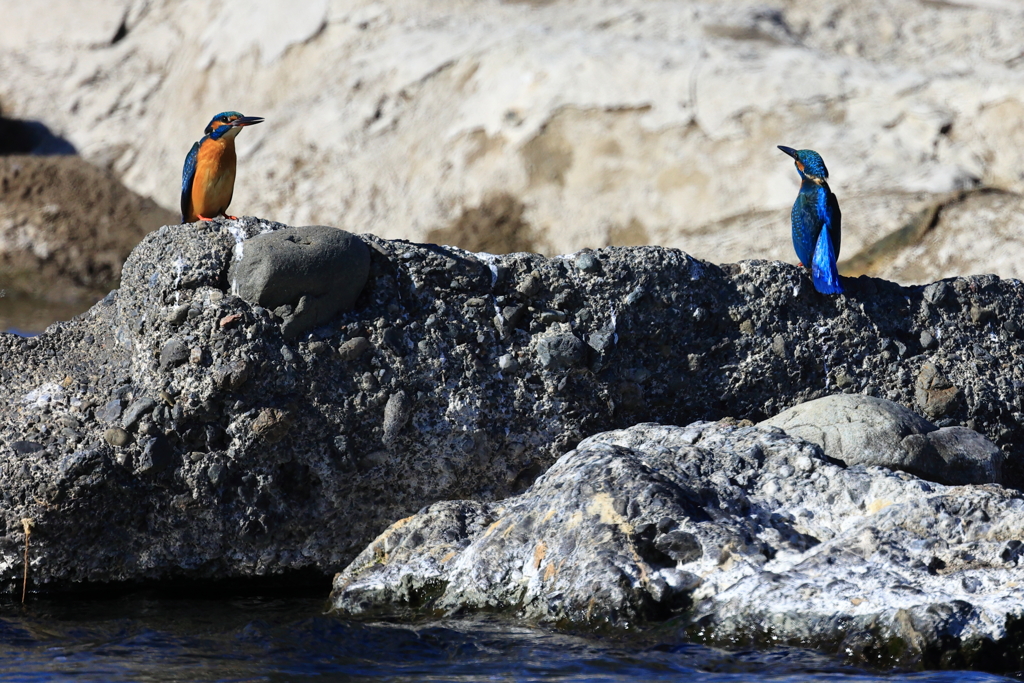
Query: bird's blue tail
[[824, 273]]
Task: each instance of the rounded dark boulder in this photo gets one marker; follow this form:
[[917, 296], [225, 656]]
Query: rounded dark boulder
[[314, 271]]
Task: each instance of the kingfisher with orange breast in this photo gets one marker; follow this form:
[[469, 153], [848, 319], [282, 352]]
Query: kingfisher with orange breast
[[208, 179]]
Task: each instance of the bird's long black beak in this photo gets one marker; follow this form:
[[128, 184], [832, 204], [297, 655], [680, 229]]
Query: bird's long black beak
[[788, 150], [247, 121]]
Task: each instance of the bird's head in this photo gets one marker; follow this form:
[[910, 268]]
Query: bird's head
[[228, 124], [808, 163]]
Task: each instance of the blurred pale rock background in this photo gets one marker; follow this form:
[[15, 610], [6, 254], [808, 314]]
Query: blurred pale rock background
[[557, 125]]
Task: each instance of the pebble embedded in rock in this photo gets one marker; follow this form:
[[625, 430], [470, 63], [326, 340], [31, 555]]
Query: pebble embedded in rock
[[157, 456], [353, 348], [560, 351], [173, 353], [981, 315], [115, 436], [111, 411], [530, 285], [936, 396], [681, 546], [136, 410], [272, 424], [26, 447], [177, 314], [396, 415], [587, 262]]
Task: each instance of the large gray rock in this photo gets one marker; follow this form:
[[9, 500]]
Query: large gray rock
[[316, 271], [752, 537], [248, 441], [863, 430]]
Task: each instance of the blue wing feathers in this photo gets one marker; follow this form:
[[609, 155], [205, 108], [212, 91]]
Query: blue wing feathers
[[188, 174], [824, 273]]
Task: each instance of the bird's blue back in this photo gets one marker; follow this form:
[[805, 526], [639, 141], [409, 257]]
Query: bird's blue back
[[816, 222], [188, 176]]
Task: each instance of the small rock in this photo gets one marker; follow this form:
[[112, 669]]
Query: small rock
[[396, 415], [353, 348], [935, 395], [843, 380], [681, 546], [325, 266], [177, 314], [173, 353], [115, 436], [530, 285], [229, 320], [111, 411], [601, 341], [936, 292], [216, 473], [980, 316], [966, 456], [779, 346], [507, 363], [272, 424], [927, 340], [368, 382], [26, 447], [859, 430], [395, 340], [233, 376], [549, 317], [157, 456], [136, 410], [587, 262], [78, 463], [560, 351]]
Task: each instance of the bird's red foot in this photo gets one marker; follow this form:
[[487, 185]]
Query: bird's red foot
[[203, 218], [234, 218]]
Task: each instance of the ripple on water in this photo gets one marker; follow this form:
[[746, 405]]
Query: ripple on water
[[274, 639]]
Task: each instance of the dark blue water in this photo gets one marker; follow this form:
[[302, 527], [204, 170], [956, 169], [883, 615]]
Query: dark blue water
[[139, 638]]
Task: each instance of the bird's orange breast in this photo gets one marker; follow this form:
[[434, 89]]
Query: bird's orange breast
[[215, 178]]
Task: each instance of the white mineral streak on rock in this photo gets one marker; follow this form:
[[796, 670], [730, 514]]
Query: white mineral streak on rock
[[42, 395]]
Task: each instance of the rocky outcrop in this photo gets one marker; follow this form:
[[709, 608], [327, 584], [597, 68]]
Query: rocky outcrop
[[175, 430], [559, 125], [747, 535]]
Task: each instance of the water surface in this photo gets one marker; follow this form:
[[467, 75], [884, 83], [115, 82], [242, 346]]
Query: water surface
[[145, 638]]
